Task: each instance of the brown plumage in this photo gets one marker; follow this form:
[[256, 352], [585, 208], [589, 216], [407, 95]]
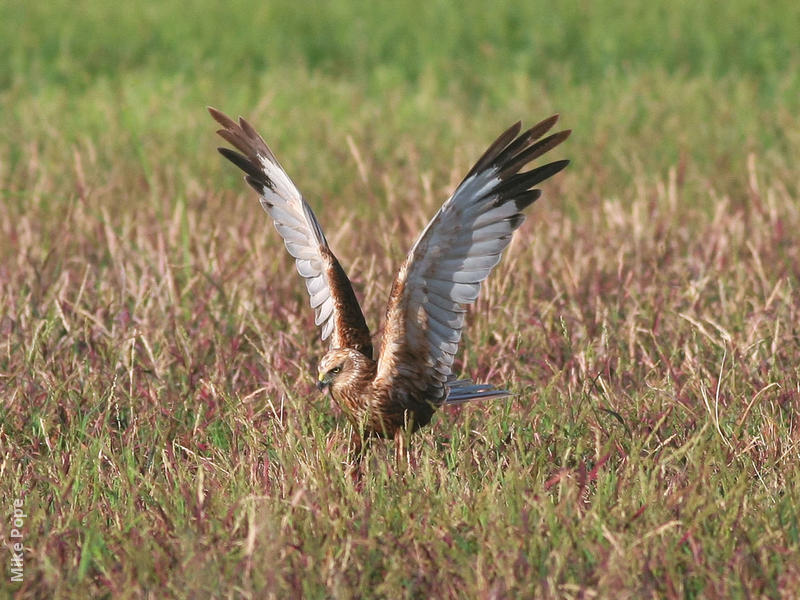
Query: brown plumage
[[441, 275]]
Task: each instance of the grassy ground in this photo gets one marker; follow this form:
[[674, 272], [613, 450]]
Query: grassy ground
[[159, 422]]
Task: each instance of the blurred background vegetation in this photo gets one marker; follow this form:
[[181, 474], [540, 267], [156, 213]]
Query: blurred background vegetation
[[155, 344], [652, 80]]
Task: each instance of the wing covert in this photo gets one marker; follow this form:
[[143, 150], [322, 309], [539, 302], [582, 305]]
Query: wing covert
[[336, 309]]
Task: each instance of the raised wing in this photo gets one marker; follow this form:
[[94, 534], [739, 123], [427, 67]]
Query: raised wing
[[454, 254], [336, 308]]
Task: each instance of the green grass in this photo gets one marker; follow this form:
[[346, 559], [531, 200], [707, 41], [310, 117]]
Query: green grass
[[159, 418]]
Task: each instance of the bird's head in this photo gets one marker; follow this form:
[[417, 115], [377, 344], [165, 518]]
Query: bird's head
[[340, 366]]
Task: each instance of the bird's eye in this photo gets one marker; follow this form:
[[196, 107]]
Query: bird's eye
[[336, 370]]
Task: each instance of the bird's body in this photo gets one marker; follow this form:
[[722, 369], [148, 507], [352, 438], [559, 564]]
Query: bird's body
[[400, 390]]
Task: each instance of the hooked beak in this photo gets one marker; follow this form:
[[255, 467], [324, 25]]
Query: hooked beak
[[322, 382]]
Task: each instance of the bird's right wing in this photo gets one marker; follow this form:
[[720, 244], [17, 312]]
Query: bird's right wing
[[336, 308], [452, 256]]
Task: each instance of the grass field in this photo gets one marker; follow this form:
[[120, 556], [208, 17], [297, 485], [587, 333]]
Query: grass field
[[159, 422]]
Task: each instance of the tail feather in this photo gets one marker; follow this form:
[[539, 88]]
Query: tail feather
[[464, 390]]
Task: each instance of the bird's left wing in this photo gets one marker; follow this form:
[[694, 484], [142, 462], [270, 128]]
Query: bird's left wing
[[336, 308], [453, 255]]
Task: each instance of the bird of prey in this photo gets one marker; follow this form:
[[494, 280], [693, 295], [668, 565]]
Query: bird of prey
[[398, 392]]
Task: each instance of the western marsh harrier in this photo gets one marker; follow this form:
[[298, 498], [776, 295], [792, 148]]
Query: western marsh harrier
[[441, 275]]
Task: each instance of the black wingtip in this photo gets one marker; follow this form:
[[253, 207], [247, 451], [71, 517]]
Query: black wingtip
[[220, 117], [553, 168], [525, 199], [512, 186], [257, 183], [241, 161], [543, 127]]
